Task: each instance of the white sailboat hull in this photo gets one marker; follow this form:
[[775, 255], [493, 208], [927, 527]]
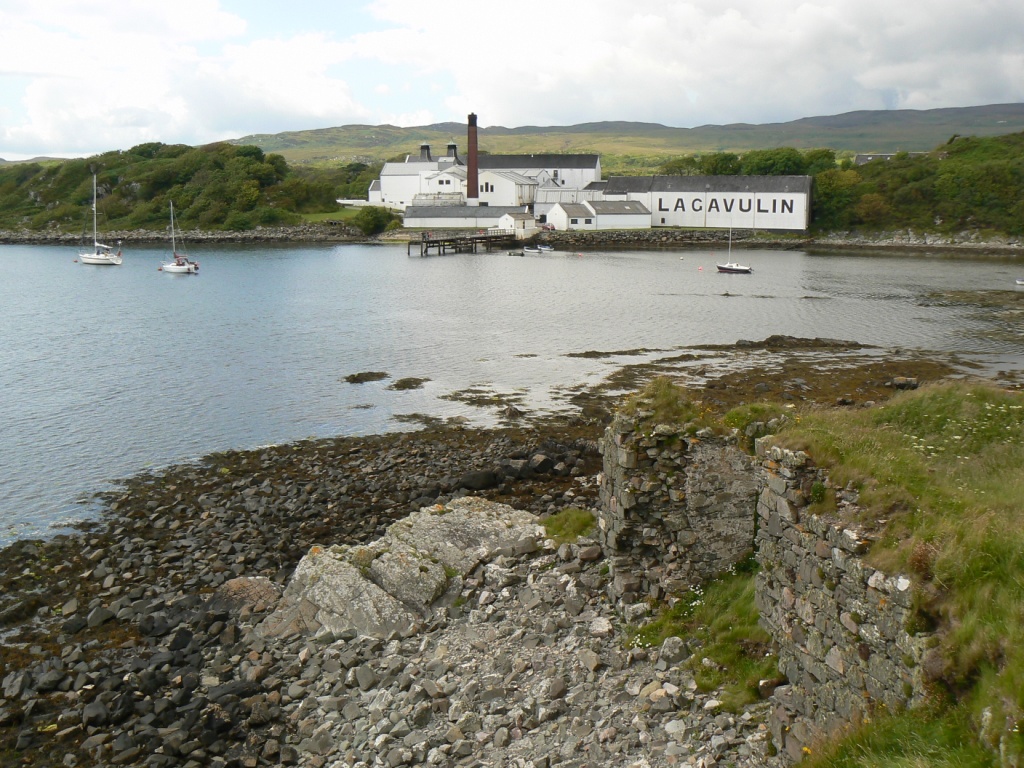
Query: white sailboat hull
[[182, 265], [111, 259], [189, 268]]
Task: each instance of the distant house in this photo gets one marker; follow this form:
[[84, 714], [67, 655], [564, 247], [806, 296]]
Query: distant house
[[506, 188], [600, 214], [569, 216], [862, 159], [522, 224]]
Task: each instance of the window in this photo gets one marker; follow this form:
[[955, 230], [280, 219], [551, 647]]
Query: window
[[574, 221], [587, 221]]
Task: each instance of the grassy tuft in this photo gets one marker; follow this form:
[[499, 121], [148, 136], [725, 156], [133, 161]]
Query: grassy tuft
[[662, 401], [720, 620], [570, 524], [921, 738]]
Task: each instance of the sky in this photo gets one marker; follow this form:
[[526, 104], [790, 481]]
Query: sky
[[81, 77]]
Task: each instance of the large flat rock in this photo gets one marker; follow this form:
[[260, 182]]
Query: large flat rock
[[398, 582]]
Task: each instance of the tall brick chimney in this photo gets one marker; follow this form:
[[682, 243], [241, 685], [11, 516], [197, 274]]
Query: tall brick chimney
[[472, 176]]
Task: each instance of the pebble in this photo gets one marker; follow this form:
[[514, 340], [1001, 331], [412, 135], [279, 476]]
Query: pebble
[[148, 653]]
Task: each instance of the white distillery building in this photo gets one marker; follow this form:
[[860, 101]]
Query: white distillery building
[[600, 214], [484, 180], [478, 217], [503, 180], [719, 202]]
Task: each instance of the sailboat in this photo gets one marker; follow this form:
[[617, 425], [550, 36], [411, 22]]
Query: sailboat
[[731, 266], [101, 254], [181, 265]]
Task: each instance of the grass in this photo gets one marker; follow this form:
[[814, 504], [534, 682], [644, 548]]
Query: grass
[[662, 401], [940, 473], [570, 524], [342, 214], [719, 621], [922, 738]]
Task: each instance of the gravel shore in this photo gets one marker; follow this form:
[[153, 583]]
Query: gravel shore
[[108, 632], [131, 641]]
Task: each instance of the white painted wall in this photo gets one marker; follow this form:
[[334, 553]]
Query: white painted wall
[[740, 210], [623, 221], [499, 189]]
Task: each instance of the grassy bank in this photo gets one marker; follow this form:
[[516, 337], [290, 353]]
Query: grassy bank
[[940, 476]]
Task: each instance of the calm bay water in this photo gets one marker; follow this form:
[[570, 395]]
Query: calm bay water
[[108, 371]]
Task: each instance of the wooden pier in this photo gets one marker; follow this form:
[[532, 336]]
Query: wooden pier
[[438, 244]]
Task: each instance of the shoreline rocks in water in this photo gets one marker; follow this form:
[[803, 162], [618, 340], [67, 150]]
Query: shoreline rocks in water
[[341, 232]]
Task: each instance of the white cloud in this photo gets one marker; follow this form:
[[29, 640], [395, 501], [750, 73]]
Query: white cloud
[[78, 78]]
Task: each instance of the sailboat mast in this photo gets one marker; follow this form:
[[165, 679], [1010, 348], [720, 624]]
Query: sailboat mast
[[95, 240], [174, 248]]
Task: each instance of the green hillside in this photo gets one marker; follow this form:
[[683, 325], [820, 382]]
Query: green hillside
[[645, 146], [970, 180]]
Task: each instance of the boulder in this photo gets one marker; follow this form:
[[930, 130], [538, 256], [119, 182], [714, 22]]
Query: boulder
[[393, 584]]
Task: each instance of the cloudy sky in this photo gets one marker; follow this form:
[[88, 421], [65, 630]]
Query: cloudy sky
[[79, 77]]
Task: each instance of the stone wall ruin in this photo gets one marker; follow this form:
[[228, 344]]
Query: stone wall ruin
[[677, 510]]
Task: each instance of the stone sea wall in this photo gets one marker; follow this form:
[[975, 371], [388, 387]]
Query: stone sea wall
[[675, 509]]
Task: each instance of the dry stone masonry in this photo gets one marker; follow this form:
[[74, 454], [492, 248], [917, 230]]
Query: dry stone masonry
[[675, 510], [840, 625], [678, 509]]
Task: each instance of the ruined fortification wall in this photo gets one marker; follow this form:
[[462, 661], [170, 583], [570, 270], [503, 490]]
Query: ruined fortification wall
[[841, 626], [677, 510]]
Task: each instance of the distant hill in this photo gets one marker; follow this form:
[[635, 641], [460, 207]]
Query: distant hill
[[866, 131], [40, 160]]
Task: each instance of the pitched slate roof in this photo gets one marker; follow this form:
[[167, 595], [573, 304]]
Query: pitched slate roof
[[514, 162], [576, 209], [618, 207], [407, 169], [621, 185], [461, 211], [453, 170], [515, 178]]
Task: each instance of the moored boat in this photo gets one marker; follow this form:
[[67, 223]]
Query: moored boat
[[101, 253], [732, 268], [181, 264], [530, 249]]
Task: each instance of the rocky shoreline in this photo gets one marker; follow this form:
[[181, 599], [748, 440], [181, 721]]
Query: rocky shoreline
[[133, 641], [326, 232], [340, 232]]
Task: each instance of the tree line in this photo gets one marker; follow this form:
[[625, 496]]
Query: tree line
[[968, 184], [216, 186]]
